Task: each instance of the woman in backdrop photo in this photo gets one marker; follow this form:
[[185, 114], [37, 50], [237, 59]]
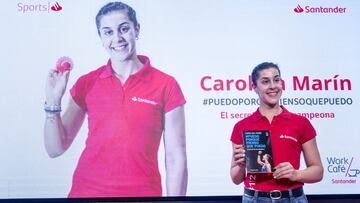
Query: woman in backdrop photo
[[290, 134], [129, 105]]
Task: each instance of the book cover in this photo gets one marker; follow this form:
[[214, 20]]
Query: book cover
[[258, 153]]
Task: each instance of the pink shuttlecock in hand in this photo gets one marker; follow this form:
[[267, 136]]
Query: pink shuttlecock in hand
[[64, 64]]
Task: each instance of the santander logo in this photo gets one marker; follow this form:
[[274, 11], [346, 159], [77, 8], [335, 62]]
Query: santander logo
[[138, 99], [320, 9], [288, 137], [34, 7], [298, 9], [56, 7]]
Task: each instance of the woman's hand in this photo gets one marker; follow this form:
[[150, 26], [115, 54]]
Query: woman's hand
[[239, 155], [55, 86], [238, 162], [285, 170]]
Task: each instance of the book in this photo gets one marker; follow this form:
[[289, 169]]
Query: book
[[258, 155]]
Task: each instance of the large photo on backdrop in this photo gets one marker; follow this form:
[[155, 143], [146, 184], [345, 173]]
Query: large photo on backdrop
[[206, 50]]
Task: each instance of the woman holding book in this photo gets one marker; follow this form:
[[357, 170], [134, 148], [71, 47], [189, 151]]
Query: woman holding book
[[290, 135]]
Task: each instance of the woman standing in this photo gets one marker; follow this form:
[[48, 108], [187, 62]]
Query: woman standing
[[290, 135], [129, 105]]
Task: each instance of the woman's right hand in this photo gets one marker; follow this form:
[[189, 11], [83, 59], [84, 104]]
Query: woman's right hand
[[239, 154], [55, 86], [238, 163]]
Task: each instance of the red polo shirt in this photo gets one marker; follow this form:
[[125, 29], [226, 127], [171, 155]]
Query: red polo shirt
[[125, 126], [288, 132]]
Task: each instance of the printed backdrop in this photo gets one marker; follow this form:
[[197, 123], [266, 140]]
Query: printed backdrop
[[210, 47]]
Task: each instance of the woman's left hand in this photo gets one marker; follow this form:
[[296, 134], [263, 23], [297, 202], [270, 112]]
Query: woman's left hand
[[285, 170]]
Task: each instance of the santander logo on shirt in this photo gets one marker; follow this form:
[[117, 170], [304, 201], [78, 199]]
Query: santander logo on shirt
[[288, 137], [138, 99]]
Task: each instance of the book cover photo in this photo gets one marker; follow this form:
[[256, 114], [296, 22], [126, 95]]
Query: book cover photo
[[258, 153]]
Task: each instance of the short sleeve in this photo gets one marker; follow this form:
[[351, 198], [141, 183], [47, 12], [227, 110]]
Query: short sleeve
[[308, 131], [173, 96], [236, 135], [78, 92]]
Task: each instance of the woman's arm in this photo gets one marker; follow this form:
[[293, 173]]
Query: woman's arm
[[60, 131], [237, 170], [259, 159], [314, 171], [311, 174], [175, 152], [268, 168]]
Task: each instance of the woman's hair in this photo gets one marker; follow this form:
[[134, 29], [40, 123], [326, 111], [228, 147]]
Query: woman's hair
[[260, 67], [267, 155], [115, 6], [268, 158]]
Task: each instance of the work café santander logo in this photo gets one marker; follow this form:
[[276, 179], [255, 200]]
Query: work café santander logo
[[319, 9]]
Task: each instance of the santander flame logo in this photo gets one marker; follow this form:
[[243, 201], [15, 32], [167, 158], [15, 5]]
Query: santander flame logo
[[56, 7], [298, 9]]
